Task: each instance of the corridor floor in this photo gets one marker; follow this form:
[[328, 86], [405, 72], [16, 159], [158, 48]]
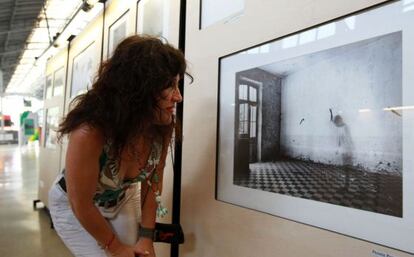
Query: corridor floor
[[376, 192], [24, 232]]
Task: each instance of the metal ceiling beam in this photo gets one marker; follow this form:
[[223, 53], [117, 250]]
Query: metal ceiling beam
[[20, 50], [24, 30], [15, 65], [6, 42], [8, 53], [47, 25]]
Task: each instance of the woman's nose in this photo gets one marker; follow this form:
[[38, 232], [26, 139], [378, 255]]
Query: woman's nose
[[177, 97]]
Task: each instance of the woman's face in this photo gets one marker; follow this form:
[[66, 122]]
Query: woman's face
[[167, 103]]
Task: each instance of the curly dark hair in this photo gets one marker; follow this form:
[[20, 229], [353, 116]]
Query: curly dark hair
[[123, 98]]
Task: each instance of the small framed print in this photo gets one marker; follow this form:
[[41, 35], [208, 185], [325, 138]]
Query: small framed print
[[117, 32], [49, 87], [84, 68], [52, 124], [152, 17], [58, 82]]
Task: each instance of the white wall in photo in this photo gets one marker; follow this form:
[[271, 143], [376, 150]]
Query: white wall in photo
[[367, 79]]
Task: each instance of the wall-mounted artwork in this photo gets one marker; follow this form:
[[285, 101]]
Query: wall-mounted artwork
[[152, 17], [320, 121], [84, 68], [117, 32], [49, 86], [213, 11], [58, 82], [52, 124]]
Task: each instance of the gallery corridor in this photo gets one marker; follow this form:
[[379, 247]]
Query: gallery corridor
[[24, 232]]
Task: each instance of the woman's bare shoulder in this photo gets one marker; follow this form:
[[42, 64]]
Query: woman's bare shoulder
[[87, 135]]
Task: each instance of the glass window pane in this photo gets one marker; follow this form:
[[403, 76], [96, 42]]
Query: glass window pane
[[243, 92], [241, 127], [253, 113], [252, 129], [252, 94], [241, 113], [243, 118]]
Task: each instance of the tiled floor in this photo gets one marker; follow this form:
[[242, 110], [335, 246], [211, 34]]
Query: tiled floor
[[376, 192], [24, 232]]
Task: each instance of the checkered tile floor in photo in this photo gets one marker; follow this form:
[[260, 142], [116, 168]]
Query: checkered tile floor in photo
[[376, 192]]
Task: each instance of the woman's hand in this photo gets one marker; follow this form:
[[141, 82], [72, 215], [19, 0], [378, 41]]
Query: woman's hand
[[145, 246], [127, 251]]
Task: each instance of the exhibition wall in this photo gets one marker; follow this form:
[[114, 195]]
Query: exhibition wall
[[324, 122], [330, 77]]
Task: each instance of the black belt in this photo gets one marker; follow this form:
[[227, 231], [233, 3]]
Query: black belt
[[106, 204], [62, 184]]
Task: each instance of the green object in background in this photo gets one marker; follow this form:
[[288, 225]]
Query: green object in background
[[29, 127], [35, 136], [23, 116]]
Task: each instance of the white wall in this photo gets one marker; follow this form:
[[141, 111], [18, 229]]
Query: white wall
[[365, 75]]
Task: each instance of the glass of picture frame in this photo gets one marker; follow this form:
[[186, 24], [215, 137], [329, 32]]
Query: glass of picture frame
[[52, 124], [152, 17], [214, 11], [49, 87], [117, 31], [314, 126], [58, 82], [84, 67]]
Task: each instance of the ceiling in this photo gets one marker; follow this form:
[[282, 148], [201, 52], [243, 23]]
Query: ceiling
[[17, 19], [27, 30]]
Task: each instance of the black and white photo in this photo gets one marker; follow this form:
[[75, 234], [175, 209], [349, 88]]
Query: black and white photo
[[321, 120]]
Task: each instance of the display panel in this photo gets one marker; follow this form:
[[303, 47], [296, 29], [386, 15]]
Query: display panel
[[58, 82], [85, 65], [319, 121], [52, 124], [117, 32]]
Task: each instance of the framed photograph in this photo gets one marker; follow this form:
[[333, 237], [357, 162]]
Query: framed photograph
[[84, 68], [117, 32], [214, 11], [58, 82], [316, 126], [51, 127], [152, 17], [49, 87]]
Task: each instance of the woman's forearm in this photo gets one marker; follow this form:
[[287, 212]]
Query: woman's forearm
[[92, 220], [149, 208]]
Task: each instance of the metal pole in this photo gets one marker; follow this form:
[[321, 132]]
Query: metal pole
[[178, 144]]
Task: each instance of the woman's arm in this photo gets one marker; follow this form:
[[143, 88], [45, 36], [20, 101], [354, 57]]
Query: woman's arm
[[82, 174], [148, 196]]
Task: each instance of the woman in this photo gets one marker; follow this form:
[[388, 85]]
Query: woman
[[119, 133]]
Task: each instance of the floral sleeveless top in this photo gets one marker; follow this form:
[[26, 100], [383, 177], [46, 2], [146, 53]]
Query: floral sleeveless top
[[111, 187]]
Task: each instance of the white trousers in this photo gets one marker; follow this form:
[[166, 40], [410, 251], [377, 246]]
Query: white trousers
[[77, 239]]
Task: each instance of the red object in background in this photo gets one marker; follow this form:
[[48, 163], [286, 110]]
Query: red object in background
[[7, 121]]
